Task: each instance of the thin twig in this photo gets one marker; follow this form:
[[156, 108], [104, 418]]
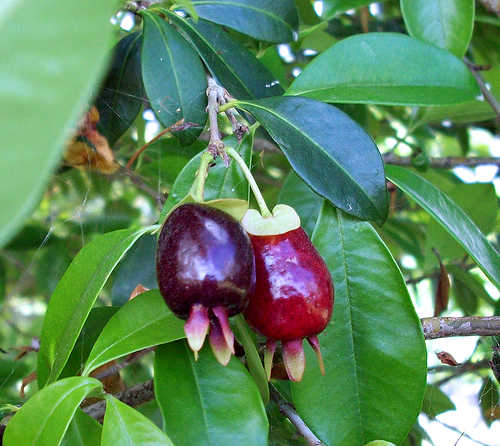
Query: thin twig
[[215, 144], [139, 182], [288, 411], [444, 163], [488, 95], [112, 370], [434, 274], [444, 327], [462, 433]]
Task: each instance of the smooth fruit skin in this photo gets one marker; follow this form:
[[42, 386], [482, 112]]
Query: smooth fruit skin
[[204, 257], [294, 291]]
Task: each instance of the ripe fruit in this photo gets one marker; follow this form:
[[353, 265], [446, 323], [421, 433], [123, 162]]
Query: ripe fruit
[[206, 271], [293, 296]]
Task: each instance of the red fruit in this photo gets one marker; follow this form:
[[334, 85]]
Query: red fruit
[[206, 271], [293, 297]]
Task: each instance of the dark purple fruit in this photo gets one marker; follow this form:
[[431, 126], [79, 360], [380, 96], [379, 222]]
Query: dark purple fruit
[[206, 271]]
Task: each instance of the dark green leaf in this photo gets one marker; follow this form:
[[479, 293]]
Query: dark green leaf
[[466, 279], [267, 20], [436, 402], [121, 95], [307, 14], [143, 322], [138, 267], [328, 150], [222, 181], [465, 299], [83, 431], [352, 71], [489, 401], [173, 75], [51, 266], [3, 282], [231, 63], [444, 23], [125, 426], [44, 418], [75, 295], [47, 74], [363, 358], [298, 194], [204, 403], [451, 217]]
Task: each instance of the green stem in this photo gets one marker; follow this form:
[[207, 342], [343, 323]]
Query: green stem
[[264, 210], [198, 187], [227, 106]]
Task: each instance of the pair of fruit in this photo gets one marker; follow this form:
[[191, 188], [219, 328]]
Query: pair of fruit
[[209, 269]]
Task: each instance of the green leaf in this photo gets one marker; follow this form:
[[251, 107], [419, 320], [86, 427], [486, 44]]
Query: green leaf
[[489, 401], [468, 280], [126, 426], [203, 402], [254, 363], [143, 322], [47, 74], [363, 358], [137, 267], [386, 68], [451, 217], [447, 24], [83, 431], [298, 194], [328, 150], [379, 443], [436, 402], [331, 8], [266, 20], [75, 295], [45, 417], [241, 73], [121, 95], [173, 75], [222, 181]]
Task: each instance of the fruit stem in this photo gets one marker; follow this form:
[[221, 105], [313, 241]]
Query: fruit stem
[[198, 187], [264, 210]]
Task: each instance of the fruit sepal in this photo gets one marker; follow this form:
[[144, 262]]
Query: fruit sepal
[[283, 219]]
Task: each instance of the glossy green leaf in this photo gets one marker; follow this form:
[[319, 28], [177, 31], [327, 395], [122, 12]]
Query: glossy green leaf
[[204, 403], [241, 73], [244, 336], [137, 267], [75, 295], [121, 94], [222, 181], [307, 14], [386, 68], [466, 279], [444, 23], [266, 20], [451, 217], [143, 322], [173, 76], [298, 194], [44, 88], [363, 357], [328, 150], [82, 431], [436, 402], [124, 425], [44, 418], [331, 8]]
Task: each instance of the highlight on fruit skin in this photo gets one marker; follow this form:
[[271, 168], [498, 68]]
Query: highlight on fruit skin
[[206, 272], [294, 293]]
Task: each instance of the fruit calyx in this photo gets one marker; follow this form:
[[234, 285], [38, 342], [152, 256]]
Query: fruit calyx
[[206, 272], [283, 219]]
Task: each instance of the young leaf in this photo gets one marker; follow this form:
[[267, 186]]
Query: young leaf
[[124, 425], [489, 401], [222, 181], [386, 68], [328, 150], [203, 402], [75, 295], [44, 89], [143, 322], [362, 356], [44, 418], [266, 20], [444, 23], [83, 431], [121, 94], [173, 75], [451, 217], [241, 73]]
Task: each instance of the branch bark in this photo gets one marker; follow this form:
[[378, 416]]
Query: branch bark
[[444, 327], [444, 163], [488, 95]]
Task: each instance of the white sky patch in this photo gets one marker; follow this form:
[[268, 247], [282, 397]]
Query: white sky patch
[[408, 261], [127, 22], [310, 52], [375, 9], [296, 71], [466, 174], [148, 115], [285, 53], [152, 129], [318, 7], [486, 173]]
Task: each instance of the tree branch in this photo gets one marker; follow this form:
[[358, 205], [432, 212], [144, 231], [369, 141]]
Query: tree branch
[[445, 162], [488, 95], [139, 182], [444, 327], [288, 411]]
